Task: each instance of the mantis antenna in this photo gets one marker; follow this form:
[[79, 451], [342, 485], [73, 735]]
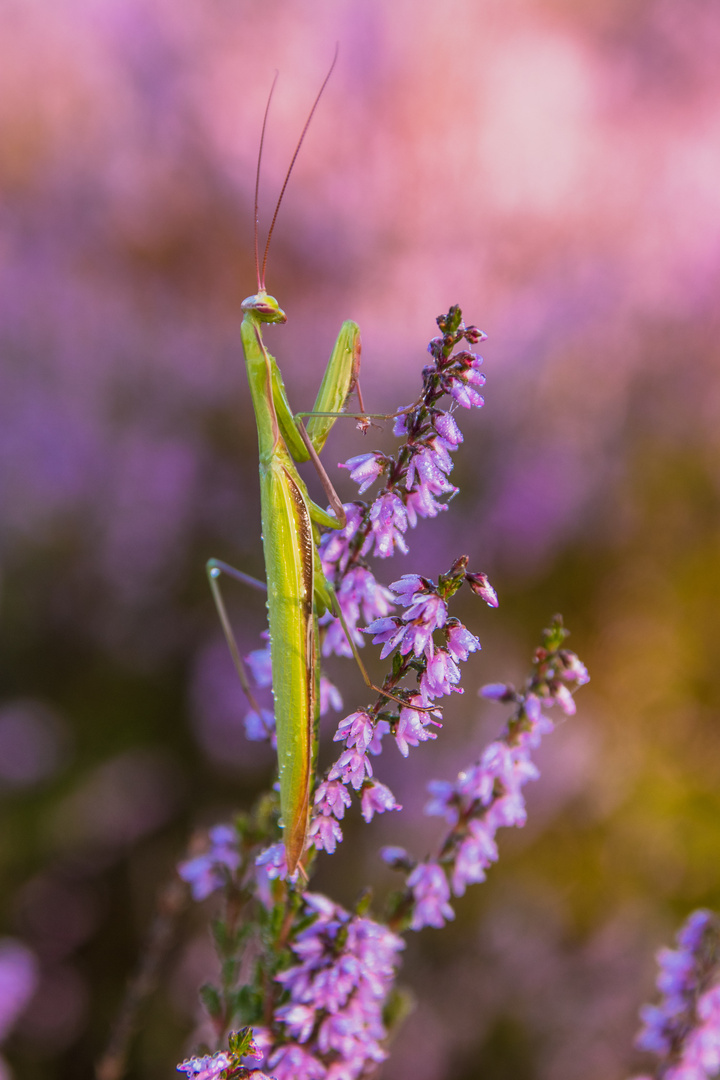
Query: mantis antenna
[[261, 273]]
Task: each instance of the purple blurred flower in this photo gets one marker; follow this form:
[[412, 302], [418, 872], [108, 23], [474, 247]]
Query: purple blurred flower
[[260, 663], [376, 799], [18, 980], [274, 861], [359, 596], [496, 691], [474, 855], [683, 1030], [208, 872], [260, 727], [431, 893], [335, 544], [330, 696]]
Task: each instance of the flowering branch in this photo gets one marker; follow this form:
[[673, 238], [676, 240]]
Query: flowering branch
[[487, 794]]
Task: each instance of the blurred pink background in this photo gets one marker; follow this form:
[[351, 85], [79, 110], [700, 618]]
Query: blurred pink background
[[552, 167]]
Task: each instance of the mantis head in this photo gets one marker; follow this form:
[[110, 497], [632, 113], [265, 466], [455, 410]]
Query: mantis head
[[265, 307]]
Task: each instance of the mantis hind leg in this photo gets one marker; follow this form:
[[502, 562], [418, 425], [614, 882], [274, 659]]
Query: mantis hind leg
[[214, 568]]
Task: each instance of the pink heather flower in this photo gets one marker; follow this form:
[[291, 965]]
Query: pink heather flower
[[460, 642], [428, 609], [475, 784], [400, 425], [357, 730], [429, 465], [676, 967], [533, 707], [376, 799], [411, 728], [412, 632], [359, 595], [511, 765], [388, 521], [332, 797], [388, 632], [691, 932], [206, 873], [440, 675], [464, 387], [446, 426], [421, 503], [365, 469], [325, 834], [431, 894], [207, 1067], [417, 638], [352, 767], [407, 586], [532, 737]]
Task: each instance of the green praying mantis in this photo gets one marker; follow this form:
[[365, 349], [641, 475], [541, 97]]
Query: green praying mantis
[[297, 589]]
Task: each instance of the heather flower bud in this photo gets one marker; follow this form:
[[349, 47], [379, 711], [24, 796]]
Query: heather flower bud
[[481, 587]]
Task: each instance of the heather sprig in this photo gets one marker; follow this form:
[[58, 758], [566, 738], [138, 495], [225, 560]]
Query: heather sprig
[[424, 639], [488, 793], [683, 1029]]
